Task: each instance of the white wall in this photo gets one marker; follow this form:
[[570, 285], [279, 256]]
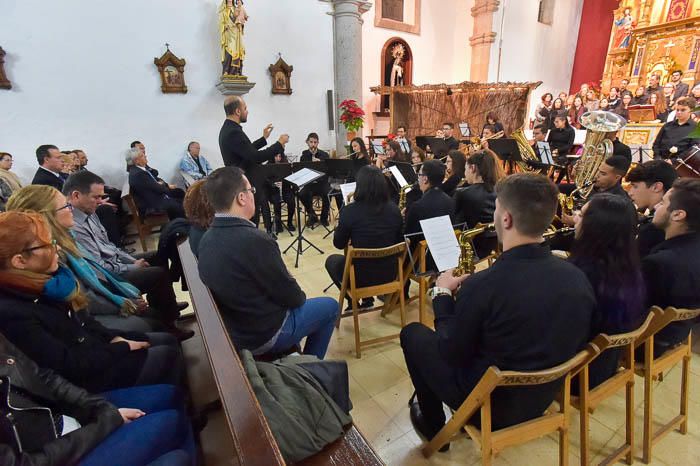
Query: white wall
[[83, 77], [533, 51], [441, 53]]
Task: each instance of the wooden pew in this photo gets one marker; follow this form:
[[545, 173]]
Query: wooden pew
[[253, 442]]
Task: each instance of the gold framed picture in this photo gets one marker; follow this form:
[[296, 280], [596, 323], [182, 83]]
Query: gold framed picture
[[172, 73]]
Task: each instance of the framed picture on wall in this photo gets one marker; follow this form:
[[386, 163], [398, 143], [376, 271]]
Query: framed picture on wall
[[399, 15]]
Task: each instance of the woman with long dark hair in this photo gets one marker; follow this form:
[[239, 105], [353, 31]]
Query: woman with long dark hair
[[557, 109], [576, 112], [605, 250], [455, 171], [543, 108], [476, 203], [492, 119], [359, 150], [370, 221]]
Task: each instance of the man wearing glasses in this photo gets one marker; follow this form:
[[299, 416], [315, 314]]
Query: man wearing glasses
[[262, 305]]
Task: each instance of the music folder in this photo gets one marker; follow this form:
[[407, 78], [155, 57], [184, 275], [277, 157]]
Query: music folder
[[303, 177]]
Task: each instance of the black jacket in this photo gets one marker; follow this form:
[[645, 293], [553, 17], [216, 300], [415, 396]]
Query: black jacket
[[74, 345], [243, 268], [474, 205], [170, 235], [433, 203], [561, 139], [648, 236], [672, 274], [49, 179], [450, 185], [620, 148], [238, 151], [524, 329], [673, 134], [307, 156], [97, 417], [148, 193], [369, 226]]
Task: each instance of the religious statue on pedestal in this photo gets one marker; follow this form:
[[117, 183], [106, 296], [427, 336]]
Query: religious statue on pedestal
[[397, 68], [232, 19], [623, 33]]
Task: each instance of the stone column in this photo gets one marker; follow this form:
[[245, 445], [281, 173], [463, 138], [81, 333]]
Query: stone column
[[482, 38], [347, 52]]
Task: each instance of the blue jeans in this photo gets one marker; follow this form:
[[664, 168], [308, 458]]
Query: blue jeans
[[163, 429], [315, 320]]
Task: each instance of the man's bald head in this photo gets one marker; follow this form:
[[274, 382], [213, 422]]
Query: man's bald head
[[236, 108]]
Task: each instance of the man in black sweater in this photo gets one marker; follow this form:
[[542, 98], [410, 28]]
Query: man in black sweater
[[319, 188], [672, 268], [238, 151], [672, 139], [525, 328], [648, 184], [262, 305]]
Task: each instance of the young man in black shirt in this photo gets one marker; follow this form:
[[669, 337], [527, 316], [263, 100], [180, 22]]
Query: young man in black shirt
[[511, 315], [319, 188], [672, 140], [648, 184]]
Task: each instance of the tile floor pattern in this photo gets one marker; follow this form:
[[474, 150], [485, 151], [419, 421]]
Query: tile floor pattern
[[380, 388]]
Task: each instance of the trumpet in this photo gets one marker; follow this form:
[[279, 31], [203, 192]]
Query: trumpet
[[466, 249]]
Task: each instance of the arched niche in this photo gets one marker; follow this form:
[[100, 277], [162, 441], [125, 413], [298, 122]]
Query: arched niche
[[393, 48]]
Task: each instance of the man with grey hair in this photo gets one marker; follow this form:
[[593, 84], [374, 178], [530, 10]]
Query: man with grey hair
[[150, 192]]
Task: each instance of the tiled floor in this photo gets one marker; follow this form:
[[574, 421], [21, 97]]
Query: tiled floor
[[380, 388]]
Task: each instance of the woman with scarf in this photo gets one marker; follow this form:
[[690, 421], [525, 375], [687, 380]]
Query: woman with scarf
[[111, 300], [42, 312], [9, 182]]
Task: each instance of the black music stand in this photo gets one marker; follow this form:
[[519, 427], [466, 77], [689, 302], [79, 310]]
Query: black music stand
[[298, 243], [507, 150], [643, 151], [341, 169], [274, 172], [438, 146]]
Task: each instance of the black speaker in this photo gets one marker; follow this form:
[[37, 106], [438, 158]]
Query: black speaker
[[331, 109]]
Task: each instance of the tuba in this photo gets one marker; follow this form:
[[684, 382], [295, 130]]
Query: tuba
[[596, 148], [466, 249], [527, 153]]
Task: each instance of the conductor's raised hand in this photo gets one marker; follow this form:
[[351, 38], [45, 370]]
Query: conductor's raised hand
[[267, 130], [284, 139]]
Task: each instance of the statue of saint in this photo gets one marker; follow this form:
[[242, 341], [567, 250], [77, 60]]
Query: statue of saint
[[397, 68], [232, 19], [625, 26]]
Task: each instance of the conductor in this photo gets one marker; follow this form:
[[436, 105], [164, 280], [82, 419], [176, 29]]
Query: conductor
[[238, 151]]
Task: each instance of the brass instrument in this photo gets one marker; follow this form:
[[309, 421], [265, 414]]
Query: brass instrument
[[466, 249], [402, 196], [476, 140], [596, 148], [553, 231], [527, 153]]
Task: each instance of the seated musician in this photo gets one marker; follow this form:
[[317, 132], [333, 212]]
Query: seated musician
[[476, 202], [648, 184], [492, 120], [392, 154], [486, 326], [261, 304], [319, 188], [417, 158], [672, 139], [604, 250], [405, 144], [447, 133], [359, 151], [561, 140], [454, 171], [281, 191], [539, 134], [371, 221], [488, 132], [672, 268], [619, 147]]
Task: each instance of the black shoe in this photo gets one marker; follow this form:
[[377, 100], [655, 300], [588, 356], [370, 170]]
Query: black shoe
[[182, 305], [279, 228], [272, 234], [367, 303], [421, 427], [179, 333], [291, 227]]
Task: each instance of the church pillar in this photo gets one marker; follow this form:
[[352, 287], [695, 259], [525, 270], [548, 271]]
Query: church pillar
[[347, 50], [482, 38]]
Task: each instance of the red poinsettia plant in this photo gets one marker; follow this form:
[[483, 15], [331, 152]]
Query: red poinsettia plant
[[352, 116]]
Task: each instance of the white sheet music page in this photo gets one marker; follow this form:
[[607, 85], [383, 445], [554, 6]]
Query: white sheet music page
[[545, 152], [303, 176], [442, 241], [399, 177], [346, 189]]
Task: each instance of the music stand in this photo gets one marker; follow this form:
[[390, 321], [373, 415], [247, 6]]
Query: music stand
[[298, 183], [507, 150], [274, 172], [438, 146], [340, 169]]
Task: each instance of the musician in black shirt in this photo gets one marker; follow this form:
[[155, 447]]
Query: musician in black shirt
[[648, 184], [319, 188], [447, 133], [486, 326], [672, 140], [561, 138]]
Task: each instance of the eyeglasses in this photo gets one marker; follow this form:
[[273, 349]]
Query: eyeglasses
[[68, 206], [52, 244], [251, 189]]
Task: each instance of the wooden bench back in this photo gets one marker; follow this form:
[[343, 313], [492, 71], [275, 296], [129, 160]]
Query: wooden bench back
[[398, 250], [253, 441], [131, 203]]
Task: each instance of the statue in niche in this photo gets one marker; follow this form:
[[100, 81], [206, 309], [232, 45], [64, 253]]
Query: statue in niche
[[398, 53], [623, 33], [232, 19]]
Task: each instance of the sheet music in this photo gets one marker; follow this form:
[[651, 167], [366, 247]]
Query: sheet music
[[442, 241], [580, 136], [399, 177], [378, 148], [303, 177], [545, 152], [346, 189]]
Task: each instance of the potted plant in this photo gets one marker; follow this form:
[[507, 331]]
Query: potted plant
[[352, 117]]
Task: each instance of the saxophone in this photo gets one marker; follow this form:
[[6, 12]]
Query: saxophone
[[596, 148], [466, 249], [402, 196]]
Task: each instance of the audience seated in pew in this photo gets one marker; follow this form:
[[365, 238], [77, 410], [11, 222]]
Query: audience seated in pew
[[199, 213], [9, 182], [509, 315], [83, 190], [150, 427], [262, 305], [605, 250], [112, 301], [370, 221], [193, 163], [42, 311], [151, 193], [672, 268]]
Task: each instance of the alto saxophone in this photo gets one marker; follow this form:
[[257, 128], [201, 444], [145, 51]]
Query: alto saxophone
[[466, 249], [402, 196]]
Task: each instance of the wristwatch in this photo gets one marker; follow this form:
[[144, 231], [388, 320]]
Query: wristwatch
[[439, 291]]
